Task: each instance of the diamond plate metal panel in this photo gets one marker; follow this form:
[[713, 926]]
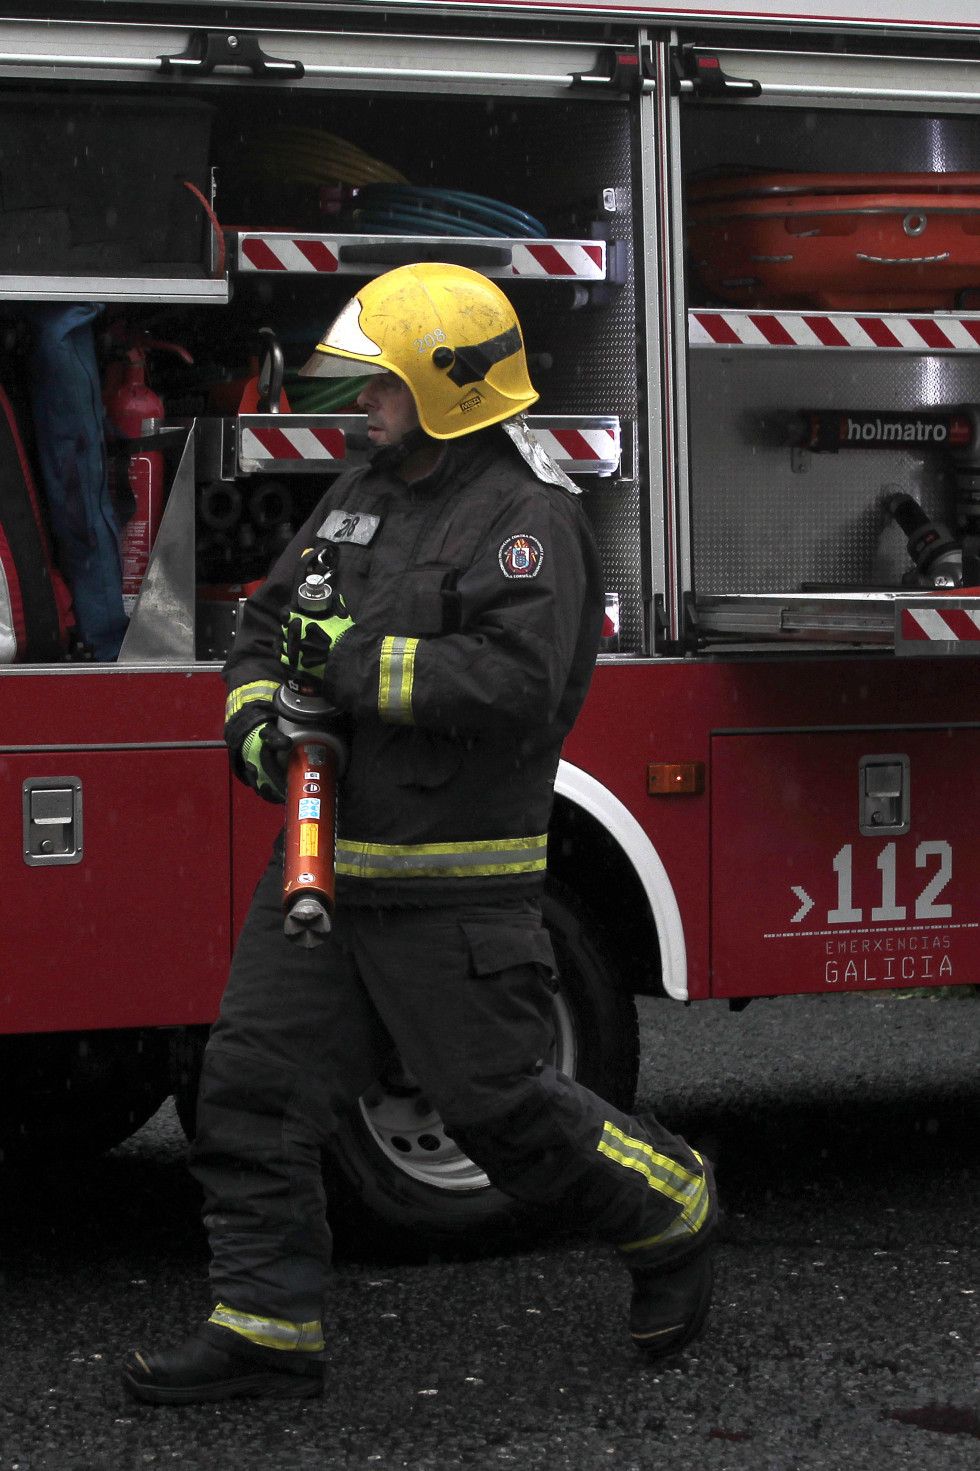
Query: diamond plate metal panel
[[582, 151], [562, 160], [800, 139], [758, 525], [614, 510], [762, 522], [574, 152]]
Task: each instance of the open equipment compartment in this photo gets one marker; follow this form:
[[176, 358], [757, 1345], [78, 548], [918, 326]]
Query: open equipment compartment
[[790, 542], [300, 251], [565, 160]]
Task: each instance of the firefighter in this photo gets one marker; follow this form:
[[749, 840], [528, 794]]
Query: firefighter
[[472, 603]]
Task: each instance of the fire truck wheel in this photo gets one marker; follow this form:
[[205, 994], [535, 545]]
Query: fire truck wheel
[[398, 1186], [72, 1093]]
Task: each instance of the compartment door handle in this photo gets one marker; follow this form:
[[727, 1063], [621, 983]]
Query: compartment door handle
[[884, 794], [52, 820]]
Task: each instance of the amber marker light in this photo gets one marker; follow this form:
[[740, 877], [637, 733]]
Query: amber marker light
[[675, 778]]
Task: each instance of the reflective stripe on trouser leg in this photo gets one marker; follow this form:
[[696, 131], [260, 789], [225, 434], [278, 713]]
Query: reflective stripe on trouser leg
[[270, 1332], [545, 1152], [695, 1191], [296, 1043], [257, 1154], [466, 994]]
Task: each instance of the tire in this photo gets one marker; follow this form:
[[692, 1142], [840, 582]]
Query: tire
[[399, 1187], [78, 1093]]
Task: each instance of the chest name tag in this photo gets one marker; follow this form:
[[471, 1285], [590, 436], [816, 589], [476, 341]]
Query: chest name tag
[[350, 526]]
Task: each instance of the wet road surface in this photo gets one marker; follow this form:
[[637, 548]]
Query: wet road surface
[[844, 1333]]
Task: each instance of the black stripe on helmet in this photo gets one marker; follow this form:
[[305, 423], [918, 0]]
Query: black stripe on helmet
[[472, 364]]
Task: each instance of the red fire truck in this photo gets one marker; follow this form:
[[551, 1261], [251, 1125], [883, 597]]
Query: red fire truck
[[744, 243]]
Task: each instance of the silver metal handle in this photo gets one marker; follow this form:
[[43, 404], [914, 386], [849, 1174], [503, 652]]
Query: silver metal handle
[[884, 794], [52, 820]]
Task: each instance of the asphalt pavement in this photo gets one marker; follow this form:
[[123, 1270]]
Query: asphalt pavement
[[844, 1333]]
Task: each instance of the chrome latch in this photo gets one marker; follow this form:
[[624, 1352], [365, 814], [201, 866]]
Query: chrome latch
[[52, 820], [884, 794]]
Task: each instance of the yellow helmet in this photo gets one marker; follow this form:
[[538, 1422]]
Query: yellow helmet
[[447, 332]]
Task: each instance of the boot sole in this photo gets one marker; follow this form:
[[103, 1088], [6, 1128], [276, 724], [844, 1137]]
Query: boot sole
[[256, 1386]]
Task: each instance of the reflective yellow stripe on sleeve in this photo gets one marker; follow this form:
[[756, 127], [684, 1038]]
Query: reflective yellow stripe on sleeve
[[270, 1332], [662, 1173], [246, 694], [488, 857], [396, 674]]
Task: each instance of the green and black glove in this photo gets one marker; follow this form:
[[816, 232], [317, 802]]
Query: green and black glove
[[306, 641], [262, 760]]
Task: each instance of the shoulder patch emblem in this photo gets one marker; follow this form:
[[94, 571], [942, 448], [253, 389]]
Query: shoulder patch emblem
[[521, 556]]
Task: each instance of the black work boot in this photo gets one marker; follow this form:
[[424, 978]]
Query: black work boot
[[672, 1286], [217, 1363]]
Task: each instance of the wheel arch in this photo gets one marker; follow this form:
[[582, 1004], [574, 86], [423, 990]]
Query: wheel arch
[[599, 850]]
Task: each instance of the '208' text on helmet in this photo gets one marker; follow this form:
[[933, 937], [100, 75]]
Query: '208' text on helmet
[[449, 333]]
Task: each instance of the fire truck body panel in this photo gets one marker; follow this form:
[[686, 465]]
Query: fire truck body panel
[[785, 748], [136, 931], [770, 787]]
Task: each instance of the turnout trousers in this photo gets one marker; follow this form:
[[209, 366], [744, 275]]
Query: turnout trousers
[[464, 993]]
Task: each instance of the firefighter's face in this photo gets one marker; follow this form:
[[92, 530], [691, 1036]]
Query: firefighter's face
[[391, 411]]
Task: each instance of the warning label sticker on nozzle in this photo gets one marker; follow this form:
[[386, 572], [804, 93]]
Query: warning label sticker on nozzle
[[309, 835]]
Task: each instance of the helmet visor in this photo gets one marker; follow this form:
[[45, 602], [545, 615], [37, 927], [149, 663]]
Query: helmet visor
[[343, 344]]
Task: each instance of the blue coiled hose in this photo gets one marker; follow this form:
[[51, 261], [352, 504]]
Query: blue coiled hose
[[402, 209]]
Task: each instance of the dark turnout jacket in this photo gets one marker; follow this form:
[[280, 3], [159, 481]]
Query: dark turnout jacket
[[477, 601]]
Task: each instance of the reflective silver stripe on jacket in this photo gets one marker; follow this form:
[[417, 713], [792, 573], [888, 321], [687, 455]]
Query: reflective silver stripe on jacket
[[246, 694], [396, 673], [270, 1332], [442, 860]]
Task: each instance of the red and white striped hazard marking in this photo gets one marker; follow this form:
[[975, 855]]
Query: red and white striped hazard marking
[[842, 329], [591, 447], [292, 444], [580, 446], [569, 260], [941, 625], [301, 253], [559, 258]]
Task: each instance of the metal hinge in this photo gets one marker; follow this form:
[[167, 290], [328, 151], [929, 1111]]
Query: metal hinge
[[208, 50], [699, 74], [619, 69]]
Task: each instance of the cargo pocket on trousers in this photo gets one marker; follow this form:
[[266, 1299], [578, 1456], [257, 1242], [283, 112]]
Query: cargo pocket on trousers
[[502, 944]]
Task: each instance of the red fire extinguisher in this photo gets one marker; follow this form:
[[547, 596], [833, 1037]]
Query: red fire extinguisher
[[129, 402]]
